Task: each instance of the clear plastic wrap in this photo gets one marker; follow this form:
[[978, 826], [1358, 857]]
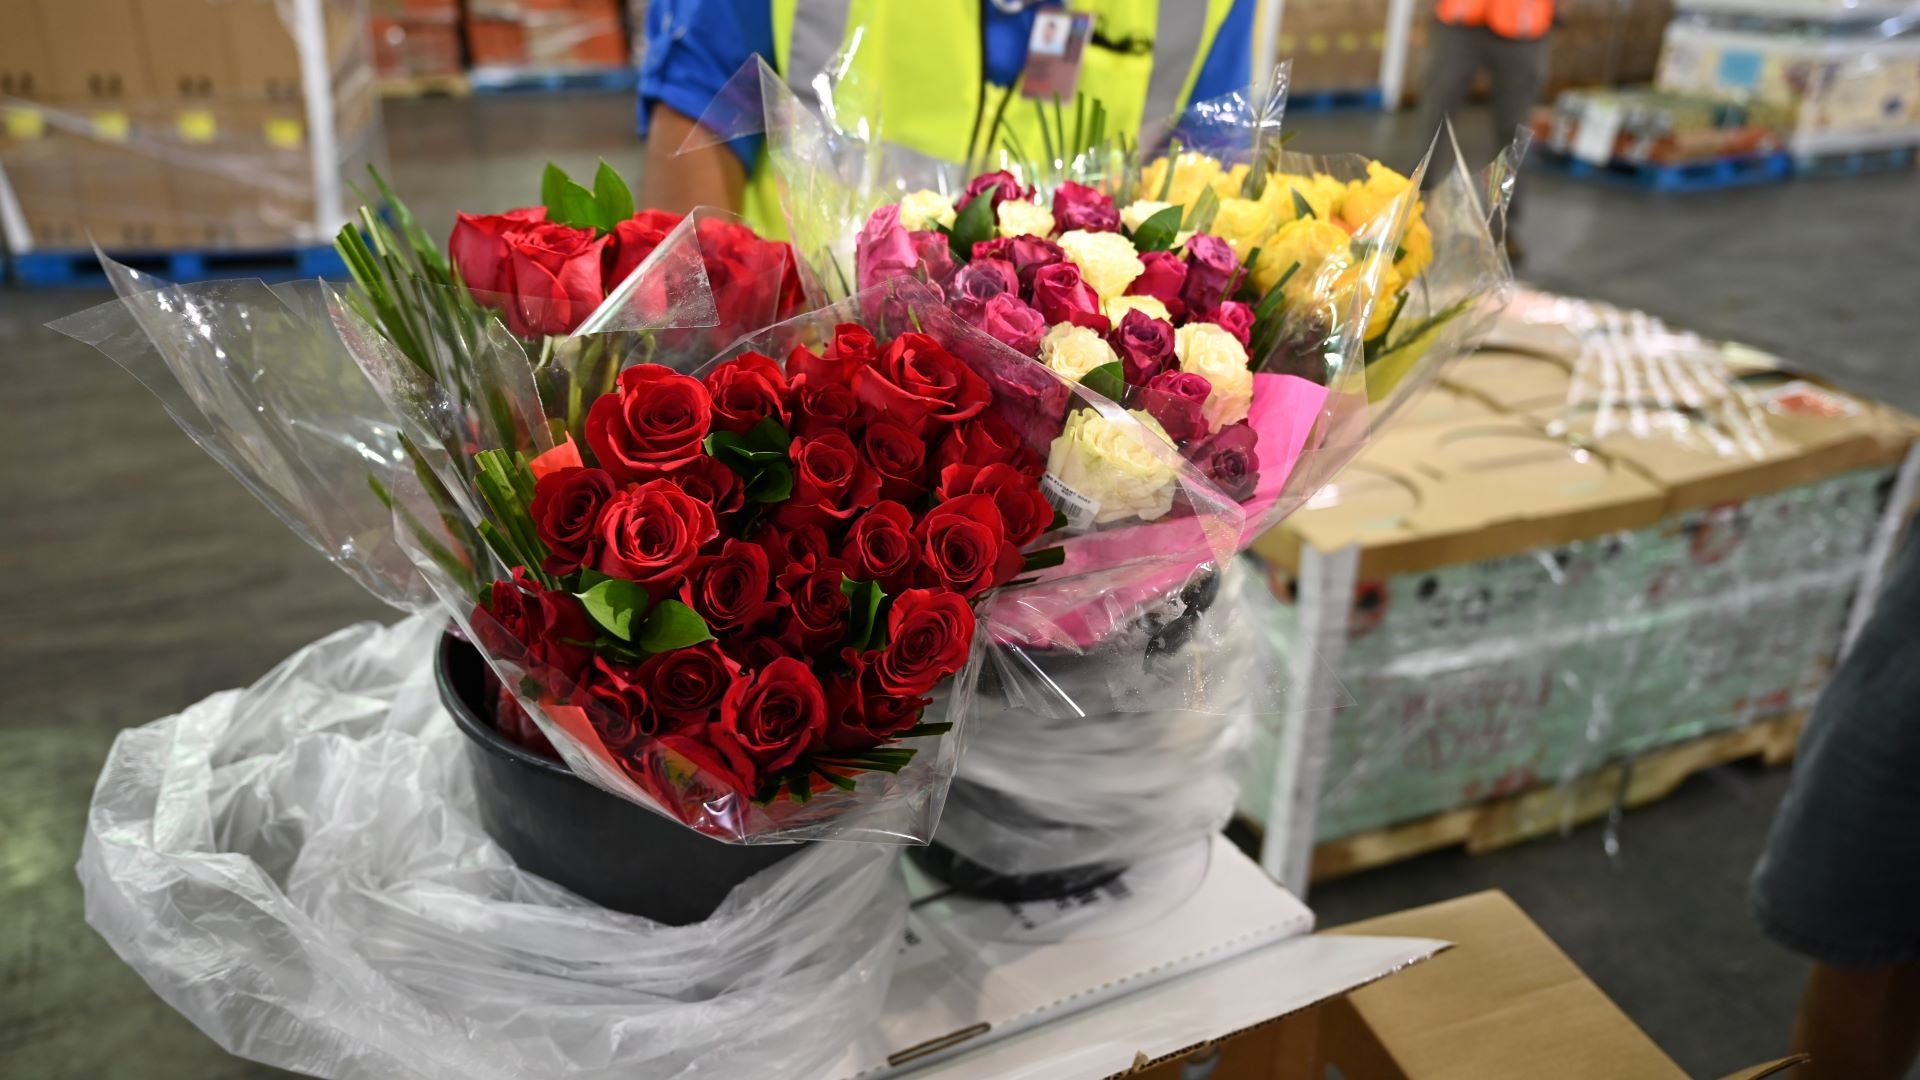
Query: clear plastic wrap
[[298, 868]]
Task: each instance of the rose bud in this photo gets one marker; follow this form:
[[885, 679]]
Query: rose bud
[[1076, 206], [566, 507], [817, 611], [963, 545], [771, 718], [755, 651], [633, 240], [1235, 318], [978, 282], [1228, 459], [1144, 345], [685, 686], [929, 634], [820, 407], [730, 590], [793, 544], [861, 715], [1023, 508], [898, 456], [996, 186], [746, 390], [1164, 277], [1061, 296], [712, 483], [556, 280], [918, 383], [1027, 254], [650, 534], [616, 701], [545, 632], [1177, 399], [1213, 271], [884, 249], [880, 547], [986, 440], [654, 423], [936, 257], [830, 481], [1013, 323], [478, 249]]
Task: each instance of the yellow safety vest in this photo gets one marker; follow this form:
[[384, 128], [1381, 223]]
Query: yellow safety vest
[[916, 73]]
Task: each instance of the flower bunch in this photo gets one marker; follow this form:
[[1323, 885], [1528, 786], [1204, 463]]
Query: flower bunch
[[757, 579]]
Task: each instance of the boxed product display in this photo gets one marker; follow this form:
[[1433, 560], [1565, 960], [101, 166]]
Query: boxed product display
[[181, 123], [543, 35], [1645, 125], [1513, 600], [1334, 44], [1593, 43], [415, 39]]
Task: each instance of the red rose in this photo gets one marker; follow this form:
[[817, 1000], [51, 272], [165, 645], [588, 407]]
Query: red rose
[[917, 383], [880, 546], [1076, 206], [731, 589], [997, 186], [929, 634], [654, 423], [769, 720], [986, 440], [712, 773], [685, 686], [798, 543], [633, 240], [1213, 272], [898, 456], [820, 407], [1235, 318], [566, 507], [478, 250], [755, 281], [1163, 279], [622, 716], [830, 481], [1027, 254], [1176, 399], [860, 716], [817, 608], [1024, 510], [546, 632], [712, 483], [963, 545], [1062, 296], [652, 533], [1230, 458], [754, 652], [746, 390], [556, 279], [1144, 345], [514, 723]]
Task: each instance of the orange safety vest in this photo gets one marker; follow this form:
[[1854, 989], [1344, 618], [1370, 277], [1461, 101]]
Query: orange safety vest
[[1521, 20]]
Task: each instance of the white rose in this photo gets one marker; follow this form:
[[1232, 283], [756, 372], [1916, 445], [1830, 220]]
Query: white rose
[[923, 210], [1017, 217], [1107, 260], [1110, 464], [1075, 350], [1117, 308], [1208, 350], [1138, 211]]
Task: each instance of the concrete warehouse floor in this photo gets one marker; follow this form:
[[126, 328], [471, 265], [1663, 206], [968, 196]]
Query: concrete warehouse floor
[[144, 578]]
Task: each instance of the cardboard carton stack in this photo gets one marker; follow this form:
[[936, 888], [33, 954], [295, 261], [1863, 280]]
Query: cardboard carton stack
[[505, 37], [416, 39], [163, 124], [1531, 592], [1334, 44], [1593, 43]]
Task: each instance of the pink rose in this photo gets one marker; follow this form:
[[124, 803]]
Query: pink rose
[[884, 249], [1076, 206], [1234, 317], [1027, 254], [1175, 398], [1165, 275], [1061, 296], [998, 186], [1018, 326], [978, 282]]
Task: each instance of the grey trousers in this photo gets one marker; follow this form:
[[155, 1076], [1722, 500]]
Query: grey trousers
[[1458, 53]]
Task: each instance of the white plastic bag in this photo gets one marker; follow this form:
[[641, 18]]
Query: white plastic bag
[[297, 868]]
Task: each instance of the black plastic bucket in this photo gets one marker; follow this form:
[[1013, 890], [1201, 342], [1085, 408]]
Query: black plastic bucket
[[558, 826]]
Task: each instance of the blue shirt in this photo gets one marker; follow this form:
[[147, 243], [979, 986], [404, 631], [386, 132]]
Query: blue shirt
[[695, 46]]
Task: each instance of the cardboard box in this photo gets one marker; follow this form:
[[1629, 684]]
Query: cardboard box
[[1512, 382], [184, 43], [94, 49], [26, 63]]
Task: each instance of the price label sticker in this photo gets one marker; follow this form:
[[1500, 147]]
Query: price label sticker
[[24, 123], [285, 133], [197, 126], [1080, 511], [112, 126]]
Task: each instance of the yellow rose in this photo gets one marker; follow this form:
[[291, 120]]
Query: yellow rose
[[922, 210], [1307, 242], [1229, 184], [1244, 224], [1210, 351], [1138, 211], [1335, 296], [1107, 260], [1072, 351], [1109, 463], [1363, 200], [1417, 248], [1117, 308], [1017, 217], [1192, 172], [1319, 191]]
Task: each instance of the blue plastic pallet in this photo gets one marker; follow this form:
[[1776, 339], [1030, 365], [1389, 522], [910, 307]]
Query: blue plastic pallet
[[1716, 174], [1855, 163], [61, 269], [1321, 101], [509, 81]]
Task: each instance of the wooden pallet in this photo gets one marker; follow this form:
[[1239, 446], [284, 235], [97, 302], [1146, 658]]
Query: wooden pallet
[[418, 86], [1500, 823]]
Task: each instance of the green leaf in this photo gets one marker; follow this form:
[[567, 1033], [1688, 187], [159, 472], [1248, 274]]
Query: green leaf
[[1158, 232], [973, 224], [1200, 216], [769, 437], [864, 599], [1166, 182], [844, 783], [1108, 380], [613, 195], [919, 730], [1059, 521], [615, 605], [672, 625], [570, 204], [772, 484], [1044, 559], [1301, 207]]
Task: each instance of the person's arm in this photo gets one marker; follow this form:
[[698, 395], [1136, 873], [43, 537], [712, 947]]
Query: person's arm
[[675, 181]]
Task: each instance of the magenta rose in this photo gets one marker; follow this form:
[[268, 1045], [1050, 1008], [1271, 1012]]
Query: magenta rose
[[1235, 318], [1018, 326], [1027, 254], [1175, 398], [1145, 346], [998, 186], [978, 282], [1227, 457], [1163, 279], [884, 249], [1062, 296], [936, 257], [1076, 206], [1213, 271]]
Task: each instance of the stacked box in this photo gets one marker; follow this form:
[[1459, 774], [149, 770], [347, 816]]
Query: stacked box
[[1334, 44], [164, 124], [1537, 594], [1593, 43], [545, 35], [415, 39]]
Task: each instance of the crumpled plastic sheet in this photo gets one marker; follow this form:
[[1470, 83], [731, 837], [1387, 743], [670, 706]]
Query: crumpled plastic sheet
[[1132, 772], [297, 867]]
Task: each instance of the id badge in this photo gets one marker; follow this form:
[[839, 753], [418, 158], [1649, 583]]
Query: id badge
[[1053, 54]]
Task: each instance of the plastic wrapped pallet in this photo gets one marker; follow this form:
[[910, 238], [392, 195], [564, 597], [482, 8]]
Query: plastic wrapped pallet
[[1514, 592], [181, 124]]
